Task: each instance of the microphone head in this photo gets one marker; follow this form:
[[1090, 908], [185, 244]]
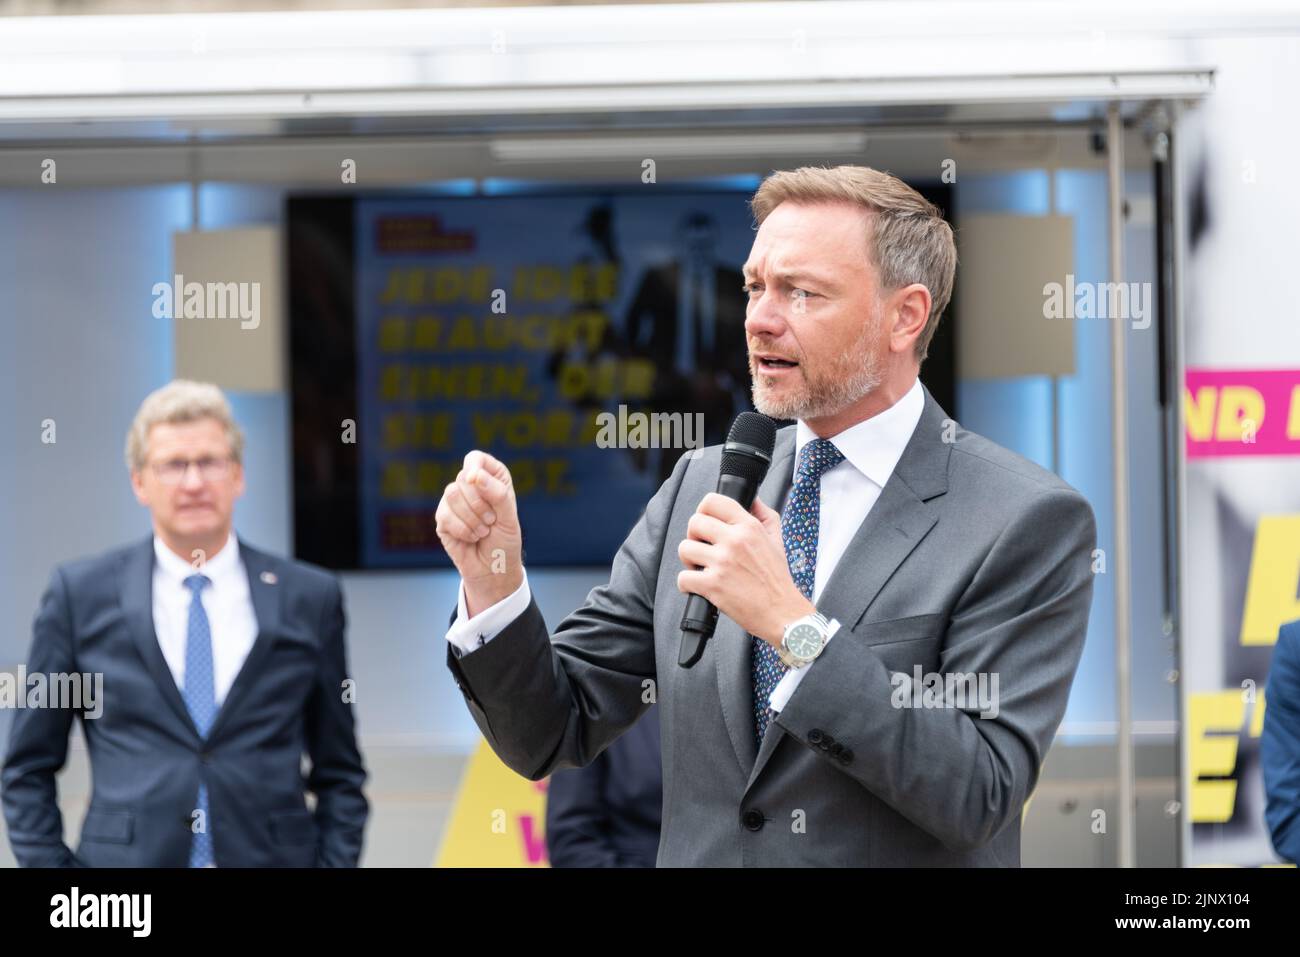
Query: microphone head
[[748, 451]]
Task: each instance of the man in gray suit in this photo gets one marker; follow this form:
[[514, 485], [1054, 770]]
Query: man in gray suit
[[902, 610]]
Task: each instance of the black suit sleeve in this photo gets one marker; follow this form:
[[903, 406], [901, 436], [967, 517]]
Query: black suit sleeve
[[38, 744], [577, 818], [337, 772], [545, 703]]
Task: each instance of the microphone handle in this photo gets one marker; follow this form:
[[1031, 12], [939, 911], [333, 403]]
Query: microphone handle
[[701, 618]]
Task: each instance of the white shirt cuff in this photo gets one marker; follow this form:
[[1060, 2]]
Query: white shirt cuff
[[467, 634], [780, 695]]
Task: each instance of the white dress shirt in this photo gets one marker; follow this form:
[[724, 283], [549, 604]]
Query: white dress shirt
[[226, 601], [871, 450]]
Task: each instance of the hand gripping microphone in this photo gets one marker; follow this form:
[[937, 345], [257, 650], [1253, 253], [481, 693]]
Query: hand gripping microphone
[[745, 460]]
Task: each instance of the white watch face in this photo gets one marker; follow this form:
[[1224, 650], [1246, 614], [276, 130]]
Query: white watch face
[[804, 641]]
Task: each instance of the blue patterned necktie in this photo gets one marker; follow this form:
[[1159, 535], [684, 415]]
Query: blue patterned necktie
[[800, 526], [201, 701]]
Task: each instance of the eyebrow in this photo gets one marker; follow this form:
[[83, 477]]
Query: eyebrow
[[794, 274]]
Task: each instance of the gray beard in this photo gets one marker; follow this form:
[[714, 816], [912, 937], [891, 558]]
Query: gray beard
[[837, 395], [828, 396]]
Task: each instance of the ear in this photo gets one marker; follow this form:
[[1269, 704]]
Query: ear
[[137, 486], [239, 479], [909, 312]]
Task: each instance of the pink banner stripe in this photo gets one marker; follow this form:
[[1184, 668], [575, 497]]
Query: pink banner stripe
[[1242, 412]]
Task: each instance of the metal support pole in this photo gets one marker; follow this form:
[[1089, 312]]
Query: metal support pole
[[1119, 563]]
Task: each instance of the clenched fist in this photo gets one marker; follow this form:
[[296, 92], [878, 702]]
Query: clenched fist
[[478, 525]]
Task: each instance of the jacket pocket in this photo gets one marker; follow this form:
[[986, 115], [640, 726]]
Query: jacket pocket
[[293, 827], [111, 827], [900, 629]]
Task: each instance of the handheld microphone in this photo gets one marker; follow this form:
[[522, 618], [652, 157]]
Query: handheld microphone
[[746, 457]]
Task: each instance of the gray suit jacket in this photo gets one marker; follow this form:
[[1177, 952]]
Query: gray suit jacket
[[973, 560]]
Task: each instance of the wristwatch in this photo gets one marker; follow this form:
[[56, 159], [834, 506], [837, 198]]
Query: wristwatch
[[804, 638]]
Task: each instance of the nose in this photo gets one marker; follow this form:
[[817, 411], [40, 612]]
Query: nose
[[193, 478], [765, 316]]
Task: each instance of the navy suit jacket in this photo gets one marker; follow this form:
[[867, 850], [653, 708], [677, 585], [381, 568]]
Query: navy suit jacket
[[608, 813], [1279, 745], [146, 756]]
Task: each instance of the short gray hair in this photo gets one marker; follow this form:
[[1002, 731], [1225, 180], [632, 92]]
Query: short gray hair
[[908, 238], [180, 401]]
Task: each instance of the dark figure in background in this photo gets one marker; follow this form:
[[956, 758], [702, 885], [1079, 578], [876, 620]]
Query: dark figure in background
[[688, 317], [607, 814], [1279, 745]]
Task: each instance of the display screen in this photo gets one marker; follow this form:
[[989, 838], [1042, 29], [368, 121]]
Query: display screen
[[587, 340]]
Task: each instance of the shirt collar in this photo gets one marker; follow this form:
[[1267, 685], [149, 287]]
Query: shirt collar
[[217, 567], [874, 446]]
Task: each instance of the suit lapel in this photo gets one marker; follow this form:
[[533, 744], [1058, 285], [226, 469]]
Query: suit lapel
[[264, 589], [136, 595], [730, 643], [892, 529]]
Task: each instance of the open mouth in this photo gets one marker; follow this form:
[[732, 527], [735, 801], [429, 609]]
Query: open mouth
[[774, 363]]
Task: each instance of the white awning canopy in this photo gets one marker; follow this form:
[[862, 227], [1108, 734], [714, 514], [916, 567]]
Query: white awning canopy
[[276, 73]]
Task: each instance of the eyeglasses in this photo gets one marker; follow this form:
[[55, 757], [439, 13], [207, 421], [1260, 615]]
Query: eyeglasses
[[211, 468]]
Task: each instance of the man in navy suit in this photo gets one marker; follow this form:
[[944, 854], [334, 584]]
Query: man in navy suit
[[608, 813], [222, 666], [1279, 744]]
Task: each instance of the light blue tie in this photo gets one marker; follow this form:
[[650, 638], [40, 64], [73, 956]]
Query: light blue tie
[[201, 701], [800, 526]]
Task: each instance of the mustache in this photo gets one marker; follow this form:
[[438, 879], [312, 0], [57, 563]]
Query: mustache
[[770, 351]]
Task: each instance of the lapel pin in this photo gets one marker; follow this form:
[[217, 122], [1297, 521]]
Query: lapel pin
[[269, 578]]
